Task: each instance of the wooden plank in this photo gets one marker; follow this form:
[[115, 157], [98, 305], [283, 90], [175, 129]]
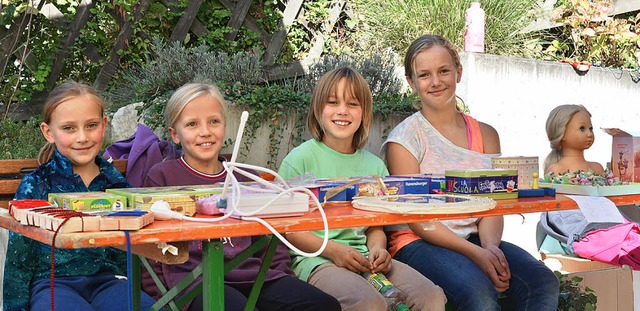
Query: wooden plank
[[108, 70], [250, 23], [79, 21], [196, 26], [152, 251], [319, 40], [186, 20], [289, 15], [14, 167], [240, 11]]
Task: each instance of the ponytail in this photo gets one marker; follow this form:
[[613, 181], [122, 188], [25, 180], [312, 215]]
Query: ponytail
[[554, 156], [46, 153]]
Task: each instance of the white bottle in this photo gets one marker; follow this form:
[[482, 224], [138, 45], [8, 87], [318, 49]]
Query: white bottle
[[474, 28]]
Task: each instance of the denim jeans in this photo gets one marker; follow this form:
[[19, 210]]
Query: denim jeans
[[532, 285], [96, 292]]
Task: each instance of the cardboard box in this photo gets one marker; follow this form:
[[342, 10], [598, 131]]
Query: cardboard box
[[496, 184], [321, 188], [395, 185], [617, 287], [437, 183], [181, 199], [526, 166], [625, 154], [88, 201]]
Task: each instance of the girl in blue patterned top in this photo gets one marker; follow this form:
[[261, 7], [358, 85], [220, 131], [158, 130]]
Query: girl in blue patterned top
[[85, 279]]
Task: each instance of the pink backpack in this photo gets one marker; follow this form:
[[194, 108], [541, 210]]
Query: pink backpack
[[617, 245]]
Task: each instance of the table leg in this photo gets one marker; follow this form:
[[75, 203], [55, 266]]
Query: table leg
[[212, 282], [264, 267], [136, 279]]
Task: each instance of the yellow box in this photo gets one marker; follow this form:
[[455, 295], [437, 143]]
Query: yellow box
[[181, 199], [88, 201]]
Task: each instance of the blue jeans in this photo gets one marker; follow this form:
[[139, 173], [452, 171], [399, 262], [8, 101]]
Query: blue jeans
[[532, 286], [90, 293]]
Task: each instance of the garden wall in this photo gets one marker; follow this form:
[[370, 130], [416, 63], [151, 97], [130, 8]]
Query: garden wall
[[515, 96]]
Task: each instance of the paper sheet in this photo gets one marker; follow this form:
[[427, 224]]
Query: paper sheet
[[598, 209]]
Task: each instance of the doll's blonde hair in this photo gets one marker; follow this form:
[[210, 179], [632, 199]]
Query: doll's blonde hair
[[557, 122]]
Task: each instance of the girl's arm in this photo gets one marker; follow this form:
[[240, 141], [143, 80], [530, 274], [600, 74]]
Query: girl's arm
[[18, 272], [490, 232], [490, 138], [341, 255], [378, 254], [400, 160]]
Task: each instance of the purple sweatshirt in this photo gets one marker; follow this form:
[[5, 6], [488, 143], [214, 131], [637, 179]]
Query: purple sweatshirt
[[176, 172]]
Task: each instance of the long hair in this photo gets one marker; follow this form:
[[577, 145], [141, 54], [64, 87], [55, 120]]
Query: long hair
[[326, 87], [556, 125], [421, 44], [59, 95], [186, 94]]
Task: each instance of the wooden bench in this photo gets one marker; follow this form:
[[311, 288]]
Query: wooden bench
[[12, 171]]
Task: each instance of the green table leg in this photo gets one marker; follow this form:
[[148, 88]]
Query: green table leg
[[266, 263], [136, 279], [212, 282]]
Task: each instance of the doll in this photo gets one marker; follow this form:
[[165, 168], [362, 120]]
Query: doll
[[570, 133]]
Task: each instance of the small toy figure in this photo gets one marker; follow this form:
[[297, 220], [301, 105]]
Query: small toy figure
[[570, 133]]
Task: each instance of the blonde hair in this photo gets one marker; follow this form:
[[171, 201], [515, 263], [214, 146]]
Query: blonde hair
[[556, 125], [186, 94], [326, 87], [59, 95], [421, 44]]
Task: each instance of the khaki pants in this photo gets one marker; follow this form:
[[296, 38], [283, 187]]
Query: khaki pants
[[355, 293]]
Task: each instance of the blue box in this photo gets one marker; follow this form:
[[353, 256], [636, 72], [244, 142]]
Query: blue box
[[437, 183], [493, 183], [344, 195]]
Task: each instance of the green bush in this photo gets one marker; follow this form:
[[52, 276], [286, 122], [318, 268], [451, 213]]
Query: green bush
[[587, 33], [20, 140], [573, 297]]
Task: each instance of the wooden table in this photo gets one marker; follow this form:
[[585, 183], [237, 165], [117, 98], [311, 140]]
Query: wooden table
[[339, 216]]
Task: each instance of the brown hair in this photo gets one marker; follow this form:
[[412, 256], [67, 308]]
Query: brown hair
[[59, 95], [421, 44], [425, 42], [326, 87]]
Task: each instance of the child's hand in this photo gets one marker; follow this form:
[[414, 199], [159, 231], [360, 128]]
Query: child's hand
[[504, 273], [347, 257], [380, 260], [492, 267]]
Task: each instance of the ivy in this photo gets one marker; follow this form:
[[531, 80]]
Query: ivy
[[572, 296]]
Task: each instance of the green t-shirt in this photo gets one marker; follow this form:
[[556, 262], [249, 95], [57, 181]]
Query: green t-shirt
[[315, 157]]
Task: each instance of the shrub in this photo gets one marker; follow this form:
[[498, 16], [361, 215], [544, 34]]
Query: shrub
[[588, 34], [573, 297], [413, 18], [20, 140], [171, 66]]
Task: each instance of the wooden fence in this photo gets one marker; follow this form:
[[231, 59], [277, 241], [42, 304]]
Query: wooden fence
[[11, 48]]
